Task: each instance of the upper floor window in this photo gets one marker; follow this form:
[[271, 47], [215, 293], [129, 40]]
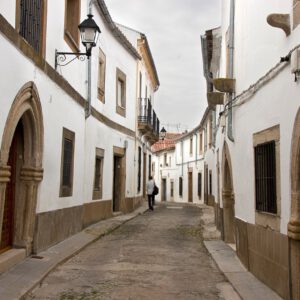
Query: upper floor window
[[296, 13], [72, 20], [200, 143], [31, 23], [101, 76], [191, 145], [121, 92], [165, 159]]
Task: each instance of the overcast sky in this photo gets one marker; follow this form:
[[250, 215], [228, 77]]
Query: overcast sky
[[173, 29]]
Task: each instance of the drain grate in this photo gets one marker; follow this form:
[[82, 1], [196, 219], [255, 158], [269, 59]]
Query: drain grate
[[37, 257]]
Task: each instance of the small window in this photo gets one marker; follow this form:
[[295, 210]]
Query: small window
[[199, 185], [121, 93], [172, 189], [101, 76], [165, 159], [200, 143], [98, 176], [265, 177], [153, 167], [180, 186], [170, 161], [67, 163], [72, 20], [191, 146]]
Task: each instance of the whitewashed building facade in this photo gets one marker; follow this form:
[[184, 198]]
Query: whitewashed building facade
[[69, 135]]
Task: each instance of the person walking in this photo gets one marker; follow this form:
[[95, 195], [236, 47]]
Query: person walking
[[150, 188]]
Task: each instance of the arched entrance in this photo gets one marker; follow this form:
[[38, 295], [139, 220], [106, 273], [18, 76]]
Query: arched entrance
[[294, 223], [228, 197], [20, 169]]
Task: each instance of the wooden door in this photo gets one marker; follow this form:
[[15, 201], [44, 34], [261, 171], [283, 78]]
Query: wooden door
[[190, 183], [116, 183], [8, 213], [205, 184], [164, 190], [144, 174]]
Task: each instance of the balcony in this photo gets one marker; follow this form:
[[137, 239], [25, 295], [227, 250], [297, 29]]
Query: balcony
[[148, 123]]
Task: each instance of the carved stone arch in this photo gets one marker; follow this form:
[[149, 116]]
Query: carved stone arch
[[228, 196], [25, 110], [294, 223]]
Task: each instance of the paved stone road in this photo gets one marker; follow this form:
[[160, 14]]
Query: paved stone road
[[158, 255]]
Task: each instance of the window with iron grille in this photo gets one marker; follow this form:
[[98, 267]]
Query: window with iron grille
[[31, 22], [265, 177], [199, 185], [139, 169], [67, 163], [180, 186]]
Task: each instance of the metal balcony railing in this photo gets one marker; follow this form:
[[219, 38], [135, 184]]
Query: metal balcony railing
[[147, 115]]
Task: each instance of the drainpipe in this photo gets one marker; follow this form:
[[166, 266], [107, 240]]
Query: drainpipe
[[196, 135], [88, 109], [231, 56]]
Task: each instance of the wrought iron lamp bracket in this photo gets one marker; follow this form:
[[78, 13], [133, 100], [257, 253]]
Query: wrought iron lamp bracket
[[61, 57]]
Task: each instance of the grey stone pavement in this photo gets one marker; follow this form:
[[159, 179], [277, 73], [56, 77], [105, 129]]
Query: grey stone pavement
[[29, 275]]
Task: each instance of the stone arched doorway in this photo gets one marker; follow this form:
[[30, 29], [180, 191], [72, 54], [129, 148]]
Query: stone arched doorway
[[228, 197], [294, 223], [21, 168]]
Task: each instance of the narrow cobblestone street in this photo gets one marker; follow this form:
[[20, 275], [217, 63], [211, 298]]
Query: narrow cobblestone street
[[158, 255]]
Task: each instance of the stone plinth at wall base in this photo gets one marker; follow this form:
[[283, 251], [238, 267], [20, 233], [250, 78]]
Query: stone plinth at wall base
[[10, 258], [215, 98], [225, 85]]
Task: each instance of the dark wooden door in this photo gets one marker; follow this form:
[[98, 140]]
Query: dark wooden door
[[205, 184], [190, 182], [144, 174], [164, 190], [8, 213], [117, 183]]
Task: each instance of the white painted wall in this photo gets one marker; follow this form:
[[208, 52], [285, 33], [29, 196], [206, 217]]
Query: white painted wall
[[59, 110]]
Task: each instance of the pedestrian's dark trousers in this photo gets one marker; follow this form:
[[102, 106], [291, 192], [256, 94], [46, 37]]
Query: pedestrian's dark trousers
[[150, 201]]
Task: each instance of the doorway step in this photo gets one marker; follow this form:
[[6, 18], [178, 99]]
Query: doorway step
[[10, 258]]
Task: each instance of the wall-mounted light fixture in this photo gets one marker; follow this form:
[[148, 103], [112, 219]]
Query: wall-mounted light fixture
[[163, 133], [89, 32]]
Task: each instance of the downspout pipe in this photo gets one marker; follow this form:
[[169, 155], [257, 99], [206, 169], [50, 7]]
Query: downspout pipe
[[88, 109], [231, 59]]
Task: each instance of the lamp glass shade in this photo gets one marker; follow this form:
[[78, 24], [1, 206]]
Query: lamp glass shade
[[89, 32]]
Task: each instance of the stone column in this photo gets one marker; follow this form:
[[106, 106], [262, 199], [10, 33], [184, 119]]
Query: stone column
[[294, 245], [228, 213], [25, 219], [4, 179]]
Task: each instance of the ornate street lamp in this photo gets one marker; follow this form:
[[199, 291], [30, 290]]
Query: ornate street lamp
[[89, 32], [163, 133]]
